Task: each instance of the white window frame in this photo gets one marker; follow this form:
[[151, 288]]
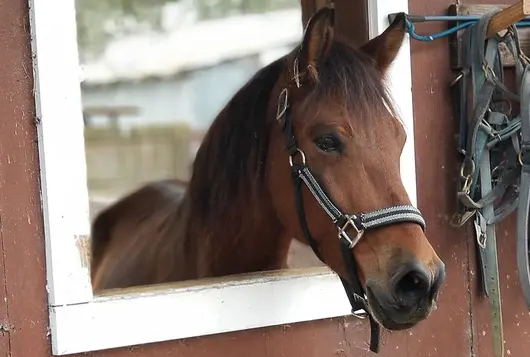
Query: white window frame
[[80, 322]]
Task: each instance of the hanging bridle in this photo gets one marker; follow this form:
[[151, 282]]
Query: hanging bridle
[[494, 142], [359, 222]]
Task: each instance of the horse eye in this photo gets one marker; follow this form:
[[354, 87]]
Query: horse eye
[[328, 143]]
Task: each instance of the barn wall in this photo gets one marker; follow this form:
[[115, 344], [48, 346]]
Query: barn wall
[[437, 167], [23, 308], [449, 332], [351, 17]]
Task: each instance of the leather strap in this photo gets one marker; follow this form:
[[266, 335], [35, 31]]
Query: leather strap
[[495, 174], [523, 258]]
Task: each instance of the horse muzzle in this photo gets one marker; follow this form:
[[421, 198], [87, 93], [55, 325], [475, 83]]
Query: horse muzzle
[[409, 298]]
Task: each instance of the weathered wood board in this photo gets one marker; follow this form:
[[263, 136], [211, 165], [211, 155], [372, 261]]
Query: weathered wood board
[[455, 41]]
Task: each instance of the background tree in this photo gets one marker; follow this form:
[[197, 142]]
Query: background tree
[[100, 20]]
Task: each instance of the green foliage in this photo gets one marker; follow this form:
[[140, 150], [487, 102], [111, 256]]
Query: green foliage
[[100, 20], [210, 9]]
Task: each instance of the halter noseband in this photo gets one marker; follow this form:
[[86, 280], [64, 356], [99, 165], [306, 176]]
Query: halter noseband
[[359, 223]]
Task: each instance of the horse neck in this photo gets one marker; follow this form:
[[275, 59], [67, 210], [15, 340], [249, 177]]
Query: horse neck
[[245, 237]]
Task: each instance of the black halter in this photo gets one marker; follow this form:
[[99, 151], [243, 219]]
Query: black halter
[[360, 222]]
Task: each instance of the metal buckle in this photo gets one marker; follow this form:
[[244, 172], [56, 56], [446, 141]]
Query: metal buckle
[[480, 235], [489, 73], [360, 314], [467, 178], [460, 218], [344, 234]]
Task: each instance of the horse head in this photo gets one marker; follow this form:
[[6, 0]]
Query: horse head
[[334, 162]]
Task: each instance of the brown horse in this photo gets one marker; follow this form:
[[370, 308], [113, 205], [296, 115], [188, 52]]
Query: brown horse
[[323, 106]]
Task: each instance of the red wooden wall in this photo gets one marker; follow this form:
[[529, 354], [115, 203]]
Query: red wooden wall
[[459, 328]]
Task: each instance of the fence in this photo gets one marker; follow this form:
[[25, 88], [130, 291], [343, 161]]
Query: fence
[[119, 161]]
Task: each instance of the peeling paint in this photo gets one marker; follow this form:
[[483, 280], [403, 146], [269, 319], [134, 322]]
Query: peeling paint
[[82, 243]]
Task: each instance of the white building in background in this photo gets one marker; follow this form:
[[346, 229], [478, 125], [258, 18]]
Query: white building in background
[[187, 73]]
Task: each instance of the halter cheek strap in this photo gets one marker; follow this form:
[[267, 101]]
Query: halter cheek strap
[[358, 223]]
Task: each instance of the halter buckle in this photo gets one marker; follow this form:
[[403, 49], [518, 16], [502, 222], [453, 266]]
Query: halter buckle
[[343, 231], [467, 178], [360, 314]]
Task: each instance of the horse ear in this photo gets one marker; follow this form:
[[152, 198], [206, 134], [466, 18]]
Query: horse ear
[[385, 47], [316, 44]]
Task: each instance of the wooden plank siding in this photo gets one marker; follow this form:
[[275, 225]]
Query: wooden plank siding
[[459, 328]]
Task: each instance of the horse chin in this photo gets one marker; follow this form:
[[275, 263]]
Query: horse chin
[[385, 315]]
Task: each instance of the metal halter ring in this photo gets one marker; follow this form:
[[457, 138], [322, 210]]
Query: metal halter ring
[[302, 155]]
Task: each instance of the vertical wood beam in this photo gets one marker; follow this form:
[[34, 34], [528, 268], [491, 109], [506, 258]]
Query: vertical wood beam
[[309, 7], [351, 18]]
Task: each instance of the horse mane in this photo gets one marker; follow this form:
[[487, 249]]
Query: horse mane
[[230, 163]]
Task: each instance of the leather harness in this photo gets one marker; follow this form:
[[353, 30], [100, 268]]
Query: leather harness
[[495, 145], [358, 223]]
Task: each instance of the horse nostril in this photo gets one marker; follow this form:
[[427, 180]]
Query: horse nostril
[[412, 286]]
